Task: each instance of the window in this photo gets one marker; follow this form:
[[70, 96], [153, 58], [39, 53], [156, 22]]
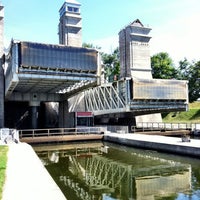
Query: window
[[72, 9], [85, 121], [76, 10]]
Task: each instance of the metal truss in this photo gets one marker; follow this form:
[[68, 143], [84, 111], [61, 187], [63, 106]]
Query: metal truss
[[107, 98], [123, 96], [105, 173]]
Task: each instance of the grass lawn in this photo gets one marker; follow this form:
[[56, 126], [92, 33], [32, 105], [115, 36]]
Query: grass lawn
[[3, 161], [191, 116]]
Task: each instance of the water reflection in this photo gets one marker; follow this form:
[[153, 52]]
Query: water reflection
[[93, 171]]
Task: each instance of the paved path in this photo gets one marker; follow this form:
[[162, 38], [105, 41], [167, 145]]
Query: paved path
[[27, 178], [155, 142]]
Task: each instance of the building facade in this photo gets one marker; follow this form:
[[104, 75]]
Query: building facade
[[134, 51], [70, 25], [135, 60]]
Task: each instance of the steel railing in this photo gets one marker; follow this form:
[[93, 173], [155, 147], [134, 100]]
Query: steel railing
[[60, 132], [152, 126]]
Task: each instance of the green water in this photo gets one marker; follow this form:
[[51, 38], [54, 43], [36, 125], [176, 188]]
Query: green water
[[105, 171]]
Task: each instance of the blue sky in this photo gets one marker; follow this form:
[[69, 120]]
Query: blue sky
[[174, 23]]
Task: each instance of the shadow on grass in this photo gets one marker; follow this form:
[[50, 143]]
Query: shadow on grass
[[196, 115]]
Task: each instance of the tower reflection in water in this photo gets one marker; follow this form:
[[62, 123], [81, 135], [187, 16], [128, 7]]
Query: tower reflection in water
[[95, 171]]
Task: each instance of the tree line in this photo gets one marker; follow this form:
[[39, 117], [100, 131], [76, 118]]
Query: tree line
[[162, 67]]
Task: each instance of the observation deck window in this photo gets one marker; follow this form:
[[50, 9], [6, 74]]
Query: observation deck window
[[72, 9]]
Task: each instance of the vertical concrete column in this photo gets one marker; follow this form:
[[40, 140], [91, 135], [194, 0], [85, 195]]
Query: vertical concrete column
[[34, 105], [63, 113], [2, 94]]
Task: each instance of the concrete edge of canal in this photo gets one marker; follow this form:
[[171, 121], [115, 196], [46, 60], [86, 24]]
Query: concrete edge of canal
[[159, 143], [27, 178]]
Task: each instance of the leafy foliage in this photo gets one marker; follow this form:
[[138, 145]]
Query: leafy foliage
[[88, 45], [110, 61], [191, 72], [162, 66], [112, 65]]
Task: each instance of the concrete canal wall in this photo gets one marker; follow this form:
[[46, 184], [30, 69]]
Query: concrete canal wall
[[159, 143], [27, 178]]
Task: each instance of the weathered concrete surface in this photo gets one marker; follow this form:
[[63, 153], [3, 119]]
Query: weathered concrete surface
[[27, 178], [159, 143]]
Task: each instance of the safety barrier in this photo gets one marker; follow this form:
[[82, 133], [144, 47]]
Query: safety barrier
[[162, 126], [60, 132]]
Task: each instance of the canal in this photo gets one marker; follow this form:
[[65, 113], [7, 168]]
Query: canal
[[106, 171]]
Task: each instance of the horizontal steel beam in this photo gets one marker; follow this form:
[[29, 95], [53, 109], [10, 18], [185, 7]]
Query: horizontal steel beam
[[45, 97]]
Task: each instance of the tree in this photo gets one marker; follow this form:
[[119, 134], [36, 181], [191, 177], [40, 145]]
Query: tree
[[191, 72], [184, 69], [110, 61], [162, 66], [89, 45], [112, 65]]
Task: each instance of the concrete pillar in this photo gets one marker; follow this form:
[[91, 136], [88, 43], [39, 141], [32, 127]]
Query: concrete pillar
[[2, 93], [34, 114], [63, 113]]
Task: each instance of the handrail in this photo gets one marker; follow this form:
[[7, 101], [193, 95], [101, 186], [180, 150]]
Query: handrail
[[59, 132], [165, 126]]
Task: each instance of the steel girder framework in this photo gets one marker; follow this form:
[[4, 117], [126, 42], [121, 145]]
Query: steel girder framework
[[108, 98], [137, 97], [106, 173]]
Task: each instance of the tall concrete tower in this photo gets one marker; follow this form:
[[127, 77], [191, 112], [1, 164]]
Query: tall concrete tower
[[1, 67], [135, 60], [70, 25], [134, 51]]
